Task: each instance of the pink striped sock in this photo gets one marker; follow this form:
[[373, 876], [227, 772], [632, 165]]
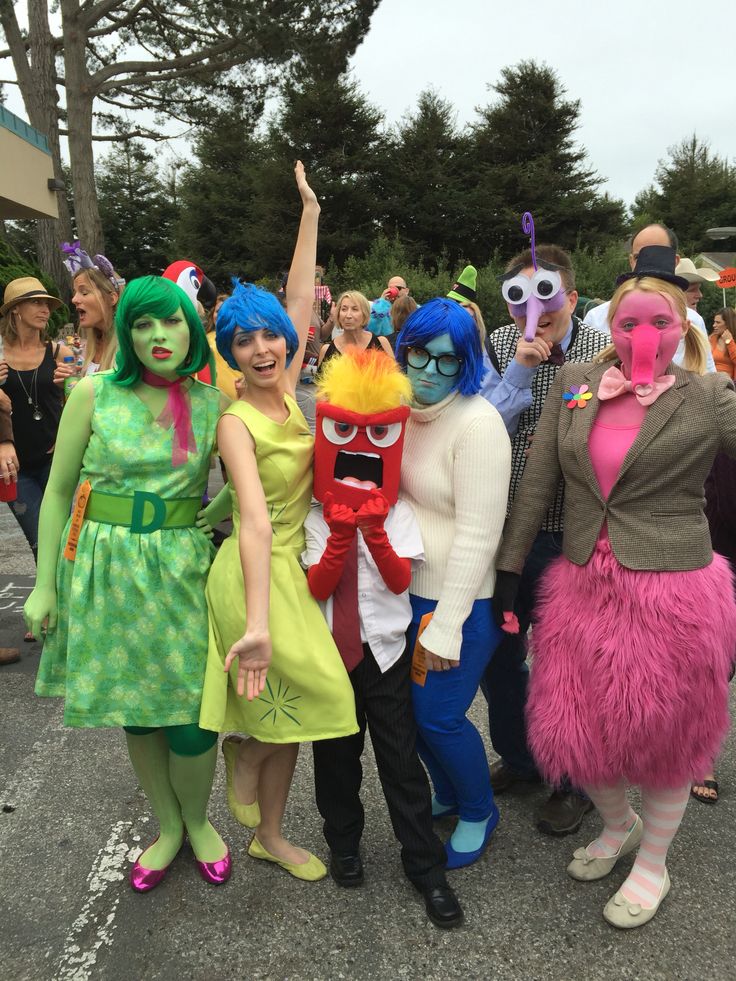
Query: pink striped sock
[[613, 806], [662, 812]]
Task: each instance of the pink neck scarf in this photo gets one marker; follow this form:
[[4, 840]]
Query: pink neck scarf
[[614, 383], [178, 410]]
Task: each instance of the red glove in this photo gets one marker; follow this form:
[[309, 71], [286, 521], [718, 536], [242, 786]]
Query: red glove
[[325, 575], [370, 518]]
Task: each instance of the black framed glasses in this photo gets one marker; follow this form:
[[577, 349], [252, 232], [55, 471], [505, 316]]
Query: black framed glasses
[[447, 364]]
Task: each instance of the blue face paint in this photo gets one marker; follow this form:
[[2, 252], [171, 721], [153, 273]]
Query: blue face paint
[[428, 385]]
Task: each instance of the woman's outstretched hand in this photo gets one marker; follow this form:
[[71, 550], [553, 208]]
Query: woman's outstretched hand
[[253, 653], [307, 194]]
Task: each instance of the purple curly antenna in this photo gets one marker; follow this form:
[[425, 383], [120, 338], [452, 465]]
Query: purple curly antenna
[[527, 226]]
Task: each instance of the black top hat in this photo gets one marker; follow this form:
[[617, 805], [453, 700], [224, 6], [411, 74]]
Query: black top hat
[[657, 261]]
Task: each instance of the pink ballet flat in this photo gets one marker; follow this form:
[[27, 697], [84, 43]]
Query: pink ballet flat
[[143, 879], [216, 873]]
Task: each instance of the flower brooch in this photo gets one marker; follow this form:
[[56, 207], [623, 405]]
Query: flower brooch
[[577, 396]]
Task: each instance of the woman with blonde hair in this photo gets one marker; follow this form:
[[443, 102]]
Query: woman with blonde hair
[[352, 315], [634, 634], [97, 289], [32, 374]]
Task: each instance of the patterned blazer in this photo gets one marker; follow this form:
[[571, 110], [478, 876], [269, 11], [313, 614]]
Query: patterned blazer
[[655, 509]]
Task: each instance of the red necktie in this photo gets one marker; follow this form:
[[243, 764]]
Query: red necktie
[[345, 613]]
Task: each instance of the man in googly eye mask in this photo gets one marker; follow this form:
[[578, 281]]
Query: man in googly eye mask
[[525, 356]]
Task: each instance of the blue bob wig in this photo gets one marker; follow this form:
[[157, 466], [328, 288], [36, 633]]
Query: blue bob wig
[[443, 316], [251, 308]]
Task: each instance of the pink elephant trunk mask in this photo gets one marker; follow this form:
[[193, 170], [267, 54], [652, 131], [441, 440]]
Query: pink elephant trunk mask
[[646, 330]]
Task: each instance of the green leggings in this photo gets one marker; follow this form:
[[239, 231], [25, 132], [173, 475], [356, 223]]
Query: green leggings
[[188, 740]]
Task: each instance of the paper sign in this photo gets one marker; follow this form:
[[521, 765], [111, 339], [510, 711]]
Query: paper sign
[[727, 279], [418, 672], [80, 506]]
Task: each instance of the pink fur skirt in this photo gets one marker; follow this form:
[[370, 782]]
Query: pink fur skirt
[[630, 672]]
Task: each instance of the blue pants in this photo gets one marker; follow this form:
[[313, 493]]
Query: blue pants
[[448, 743], [26, 507]]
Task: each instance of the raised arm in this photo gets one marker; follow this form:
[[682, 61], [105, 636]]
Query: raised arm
[[71, 442], [300, 284]]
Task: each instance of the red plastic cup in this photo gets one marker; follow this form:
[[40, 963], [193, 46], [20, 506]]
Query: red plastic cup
[[8, 492]]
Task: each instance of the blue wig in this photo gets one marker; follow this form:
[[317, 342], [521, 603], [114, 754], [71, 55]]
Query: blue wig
[[443, 316], [251, 308]]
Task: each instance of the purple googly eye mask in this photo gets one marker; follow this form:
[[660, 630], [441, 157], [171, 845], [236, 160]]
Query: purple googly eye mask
[[531, 296]]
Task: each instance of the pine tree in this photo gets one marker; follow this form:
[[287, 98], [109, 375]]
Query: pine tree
[[695, 190], [524, 158], [216, 194], [328, 123], [427, 200], [136, 210]]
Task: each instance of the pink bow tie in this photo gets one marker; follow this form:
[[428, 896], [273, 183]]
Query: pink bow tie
[[613, 383]]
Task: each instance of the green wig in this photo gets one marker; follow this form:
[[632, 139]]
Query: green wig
[[154, 296]]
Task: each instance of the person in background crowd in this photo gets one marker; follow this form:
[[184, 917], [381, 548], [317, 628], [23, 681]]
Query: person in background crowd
[[464, 292], [395, 287], [723, 343], [225, 377], [32, 375], [97, 289], [658, 234], [352, 315], [526, 356], [322, 294]]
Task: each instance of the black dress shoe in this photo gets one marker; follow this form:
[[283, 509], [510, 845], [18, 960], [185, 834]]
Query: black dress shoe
[[346, 870], [442, 906], [562, 814]]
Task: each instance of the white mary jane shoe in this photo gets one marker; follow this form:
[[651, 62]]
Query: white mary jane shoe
[[587, 868], [619, 912]]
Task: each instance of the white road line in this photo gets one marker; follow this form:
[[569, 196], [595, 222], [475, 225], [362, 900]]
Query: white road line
[[94, 927]]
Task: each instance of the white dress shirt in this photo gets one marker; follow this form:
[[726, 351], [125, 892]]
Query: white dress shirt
[[384, 616]]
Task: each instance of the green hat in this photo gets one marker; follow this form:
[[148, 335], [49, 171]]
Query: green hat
[[464, 289]]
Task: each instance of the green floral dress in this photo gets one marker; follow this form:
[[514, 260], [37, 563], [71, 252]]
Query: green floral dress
[[130, 644], [308, 693]]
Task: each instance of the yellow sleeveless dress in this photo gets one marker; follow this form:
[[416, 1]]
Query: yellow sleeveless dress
[[308, 694]]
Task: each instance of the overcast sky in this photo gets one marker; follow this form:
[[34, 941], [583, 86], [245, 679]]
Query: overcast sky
[[647, 73]]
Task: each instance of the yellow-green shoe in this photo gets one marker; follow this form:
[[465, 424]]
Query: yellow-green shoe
[[311, 870], [249, 815]]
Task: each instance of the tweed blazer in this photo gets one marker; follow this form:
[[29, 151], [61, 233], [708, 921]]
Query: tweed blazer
[[655, 509]]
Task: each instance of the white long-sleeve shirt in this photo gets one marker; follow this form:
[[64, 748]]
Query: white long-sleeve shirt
[[455, 474]]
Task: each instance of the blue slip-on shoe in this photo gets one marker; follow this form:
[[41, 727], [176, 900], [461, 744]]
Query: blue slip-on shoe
[[456, 860]]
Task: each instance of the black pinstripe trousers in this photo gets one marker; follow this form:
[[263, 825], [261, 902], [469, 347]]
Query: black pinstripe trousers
[[383, 705]]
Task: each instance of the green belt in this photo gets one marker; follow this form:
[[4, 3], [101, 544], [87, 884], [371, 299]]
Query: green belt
[[143, 512]]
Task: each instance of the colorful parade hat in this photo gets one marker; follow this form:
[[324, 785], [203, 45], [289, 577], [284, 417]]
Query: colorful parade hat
[[464, 289]]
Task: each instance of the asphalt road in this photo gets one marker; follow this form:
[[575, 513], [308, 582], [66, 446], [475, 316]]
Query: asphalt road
[[72, 819]]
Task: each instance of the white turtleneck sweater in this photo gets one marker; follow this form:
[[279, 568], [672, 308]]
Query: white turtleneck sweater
[[455, 473]]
